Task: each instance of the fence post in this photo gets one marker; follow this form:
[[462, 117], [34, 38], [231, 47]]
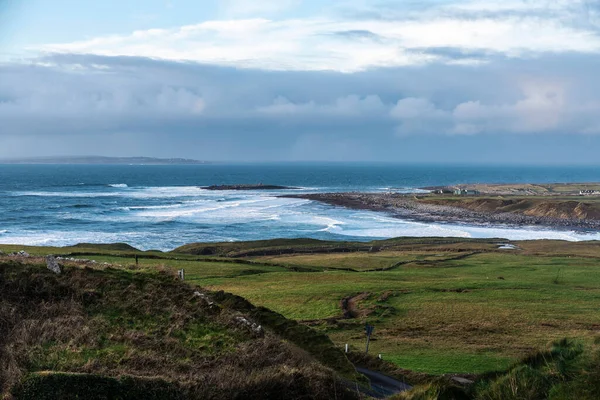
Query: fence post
[[369, 330]]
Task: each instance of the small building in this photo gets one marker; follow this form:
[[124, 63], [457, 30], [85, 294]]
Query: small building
[[589, 192], [466, 192]]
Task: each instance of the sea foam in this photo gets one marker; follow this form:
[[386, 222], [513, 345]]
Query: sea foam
[[165, 217]]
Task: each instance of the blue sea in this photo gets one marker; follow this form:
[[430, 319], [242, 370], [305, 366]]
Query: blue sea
[[162, 207]]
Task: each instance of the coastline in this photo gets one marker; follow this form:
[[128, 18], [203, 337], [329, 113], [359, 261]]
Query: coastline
[[407, 207]]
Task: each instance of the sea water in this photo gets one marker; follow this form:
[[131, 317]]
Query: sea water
[[162, 207]]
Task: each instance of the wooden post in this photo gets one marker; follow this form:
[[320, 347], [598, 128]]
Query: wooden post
[[346, 347], [368, 330]]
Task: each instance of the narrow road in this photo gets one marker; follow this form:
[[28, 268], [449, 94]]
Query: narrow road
[[383, 386]]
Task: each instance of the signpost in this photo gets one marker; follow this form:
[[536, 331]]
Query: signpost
[[368, 330]]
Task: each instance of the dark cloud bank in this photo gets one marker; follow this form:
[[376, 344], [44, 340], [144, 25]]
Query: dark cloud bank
[[543, 109]]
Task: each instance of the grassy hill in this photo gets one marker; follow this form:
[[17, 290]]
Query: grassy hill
[[126, 333]]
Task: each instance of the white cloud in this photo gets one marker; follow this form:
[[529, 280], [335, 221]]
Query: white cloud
[[516, 5], [236, 8], [412, 108], [355, 44], [543, 108]]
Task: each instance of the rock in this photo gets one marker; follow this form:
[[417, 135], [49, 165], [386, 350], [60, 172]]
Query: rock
[[52, 265], [207, 304], [259, 186], [252, 326], [23, 253], [462, 381], [204, 298]]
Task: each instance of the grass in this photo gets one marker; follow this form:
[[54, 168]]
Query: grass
[[442, 362], [114, 327], [447, 305], [354, 261], [459, 316], [561, 207]]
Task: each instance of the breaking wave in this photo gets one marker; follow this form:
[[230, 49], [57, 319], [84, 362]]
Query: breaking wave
[[165, 217]]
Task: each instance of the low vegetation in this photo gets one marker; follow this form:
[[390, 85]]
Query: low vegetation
[[556, 207], [441, 307], [130, 333], [566, 371]]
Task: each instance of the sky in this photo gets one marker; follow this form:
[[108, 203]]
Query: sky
[[457, 81]]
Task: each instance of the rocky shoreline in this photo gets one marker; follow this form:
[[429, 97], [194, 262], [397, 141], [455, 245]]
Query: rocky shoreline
[[407, 207], [259, 186]]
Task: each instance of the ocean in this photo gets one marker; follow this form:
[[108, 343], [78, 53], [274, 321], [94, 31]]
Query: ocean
[[162, 206]]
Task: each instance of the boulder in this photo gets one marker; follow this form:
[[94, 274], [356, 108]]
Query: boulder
[[53, 265], [23, 253]]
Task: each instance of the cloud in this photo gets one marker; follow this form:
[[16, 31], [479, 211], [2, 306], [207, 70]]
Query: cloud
[[123, 93], [362, 80], [359, 35], [351, 106], [61, 102], [463, 31], [544, 107], [262, 8], [417, 116]]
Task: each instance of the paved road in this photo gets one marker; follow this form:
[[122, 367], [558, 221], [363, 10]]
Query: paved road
[[383, 386]]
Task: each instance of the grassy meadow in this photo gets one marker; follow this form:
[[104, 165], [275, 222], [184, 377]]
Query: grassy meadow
[[438, 305]]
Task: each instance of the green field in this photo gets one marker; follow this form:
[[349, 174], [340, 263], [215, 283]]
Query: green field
[[438, 305], [472, 315]]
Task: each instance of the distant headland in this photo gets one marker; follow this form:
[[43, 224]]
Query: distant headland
[[103, 160]]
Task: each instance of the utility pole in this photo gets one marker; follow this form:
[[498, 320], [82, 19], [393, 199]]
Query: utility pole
[[368, 330]]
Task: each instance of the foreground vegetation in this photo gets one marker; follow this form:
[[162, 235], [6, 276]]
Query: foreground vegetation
[[563, 372], [107, 333], [440, 307]]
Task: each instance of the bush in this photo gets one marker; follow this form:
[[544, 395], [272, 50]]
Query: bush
[[522, 383], [538, 376]]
